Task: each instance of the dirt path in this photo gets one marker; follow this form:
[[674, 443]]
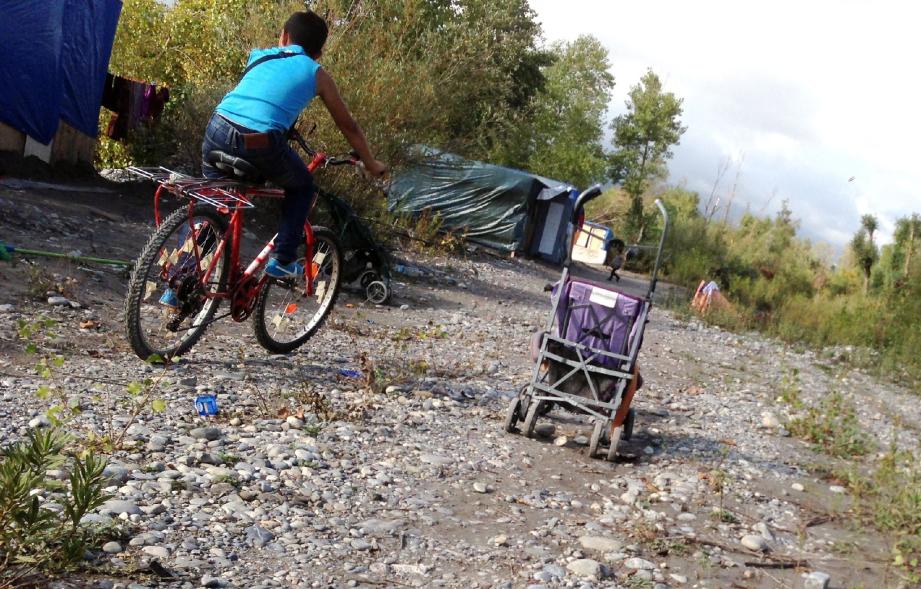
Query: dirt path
[[387, 489]]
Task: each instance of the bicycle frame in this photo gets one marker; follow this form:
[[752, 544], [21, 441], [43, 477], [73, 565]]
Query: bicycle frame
[[230, 198]]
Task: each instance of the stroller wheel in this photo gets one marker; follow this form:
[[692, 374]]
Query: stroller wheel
[[530, 421], [615, 441], [377, 292], [367, 277], [512, 415], [628, 425], [597, 435]]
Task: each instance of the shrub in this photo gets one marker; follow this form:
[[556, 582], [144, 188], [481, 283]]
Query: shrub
[[40, 527]]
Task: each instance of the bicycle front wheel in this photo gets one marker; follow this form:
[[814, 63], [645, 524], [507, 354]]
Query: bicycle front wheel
[[168, 305], [285, 317]]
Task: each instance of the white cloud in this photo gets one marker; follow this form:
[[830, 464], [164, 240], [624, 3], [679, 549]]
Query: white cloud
[[811, 92]]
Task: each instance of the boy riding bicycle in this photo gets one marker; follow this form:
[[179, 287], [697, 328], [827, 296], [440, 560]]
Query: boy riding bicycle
[[252, 120]]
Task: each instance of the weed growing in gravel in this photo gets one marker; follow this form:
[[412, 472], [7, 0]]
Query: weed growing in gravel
[[789, 389], [141, 395], [34, 537], [834, 427], [889, 498]]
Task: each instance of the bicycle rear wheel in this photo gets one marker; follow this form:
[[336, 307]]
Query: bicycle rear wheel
[[169, 260], [285, 317]]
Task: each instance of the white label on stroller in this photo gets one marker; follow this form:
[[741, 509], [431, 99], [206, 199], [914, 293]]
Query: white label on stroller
[[603, 297]]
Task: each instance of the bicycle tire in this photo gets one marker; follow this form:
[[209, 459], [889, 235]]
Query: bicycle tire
[[138, 287], [260, 327]]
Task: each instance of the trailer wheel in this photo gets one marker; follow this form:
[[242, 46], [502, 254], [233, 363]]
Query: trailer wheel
[[615, 441], [597, 435], [531, 420], [512, 416]]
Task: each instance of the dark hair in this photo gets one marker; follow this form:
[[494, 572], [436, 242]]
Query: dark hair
[[309, 30]]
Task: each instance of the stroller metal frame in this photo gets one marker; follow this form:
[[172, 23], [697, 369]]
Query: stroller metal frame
[[560, 362]]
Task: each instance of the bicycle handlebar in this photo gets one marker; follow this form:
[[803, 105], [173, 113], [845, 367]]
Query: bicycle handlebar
[[351, 160]]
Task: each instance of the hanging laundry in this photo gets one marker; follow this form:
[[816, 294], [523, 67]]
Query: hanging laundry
[[133, 103]]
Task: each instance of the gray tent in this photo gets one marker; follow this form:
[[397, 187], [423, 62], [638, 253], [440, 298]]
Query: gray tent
[[496, 206]]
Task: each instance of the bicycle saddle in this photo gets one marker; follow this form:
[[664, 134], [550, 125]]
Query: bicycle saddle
[[234, 166]]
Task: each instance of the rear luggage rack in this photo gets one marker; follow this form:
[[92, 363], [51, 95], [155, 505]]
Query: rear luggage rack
[[221, 194]]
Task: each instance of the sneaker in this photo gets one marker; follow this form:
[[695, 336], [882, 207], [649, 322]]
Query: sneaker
[[169, 299], [278, 270]]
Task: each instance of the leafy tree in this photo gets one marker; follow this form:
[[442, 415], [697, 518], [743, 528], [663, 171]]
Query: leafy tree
[[643, 138], [864, 248], [907, 239], [567, 124]]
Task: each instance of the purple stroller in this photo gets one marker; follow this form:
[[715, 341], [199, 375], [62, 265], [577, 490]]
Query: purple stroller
[[586, 359]]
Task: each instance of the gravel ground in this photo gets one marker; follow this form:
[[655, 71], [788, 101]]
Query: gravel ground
[[311, 478]]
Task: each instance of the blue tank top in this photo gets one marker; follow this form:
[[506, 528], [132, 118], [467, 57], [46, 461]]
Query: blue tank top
[[272, 94]]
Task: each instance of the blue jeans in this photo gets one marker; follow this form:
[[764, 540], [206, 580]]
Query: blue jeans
[[279, 164]]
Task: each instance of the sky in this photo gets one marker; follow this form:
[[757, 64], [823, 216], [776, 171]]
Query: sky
[[805, 95]]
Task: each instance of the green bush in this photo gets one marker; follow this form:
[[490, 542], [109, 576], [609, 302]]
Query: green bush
[[40, 527], [834, 427]]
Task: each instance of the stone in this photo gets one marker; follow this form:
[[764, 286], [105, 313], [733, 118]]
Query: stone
[[7, 308], [765, 531], [680, 579], [797, 487], [209, 581], [206, 433], [111, 547], [580, 440], [756, 543], [560, 441], [377, 527], [837, 489], [769, 420], [39, 422], [119, 506], [480, 487], [294, 423], [58, 301], [156, 551], [816, 580], [639, 564], [259, 535], [500, 540], [435, 459], [600, 544], [586, 567]]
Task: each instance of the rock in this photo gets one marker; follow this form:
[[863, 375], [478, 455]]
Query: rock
[[765, 531], [797, 487], [500, 540], [294, 423], [639, 564], [206, 433], [111, 547], [209, 581], [816, 580], [376, 527], [119, 506], [7, 308], [480, 487], [39, 421], [769, 420], [560, 441], [156, 551], [545, 430], [435, 459], [404, 307], [58, 301], [600, 543], [586, 567], [680, 579], [580, 440], [837, 489], [259, 535], [756, 543]]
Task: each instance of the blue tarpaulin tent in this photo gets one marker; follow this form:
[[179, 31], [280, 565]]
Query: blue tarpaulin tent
[[499, 207], [54, 55]]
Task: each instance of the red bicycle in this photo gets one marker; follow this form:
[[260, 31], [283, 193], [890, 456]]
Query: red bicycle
[[195, 251]]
